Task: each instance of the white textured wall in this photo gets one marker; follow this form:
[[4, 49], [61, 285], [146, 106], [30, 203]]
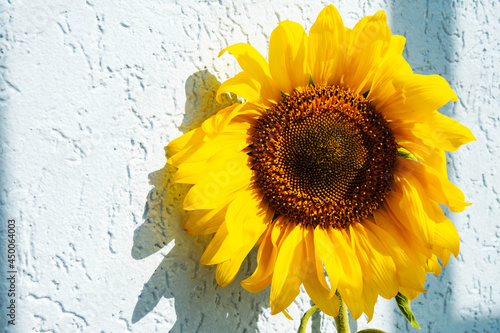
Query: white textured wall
[[92, 91]]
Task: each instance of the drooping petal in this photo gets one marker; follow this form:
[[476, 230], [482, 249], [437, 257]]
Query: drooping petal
[[409, 269], [407, 204], [289, 273], [315, 282], [228, 129], [401, 230], [435, 185], [410, 294], [226, 271], [379, 269], [266, 258], [442, 132], [247, 218], [326, 252], [213, 250], [446, 236], [433, 266], [205, 221], [246, 210], [350, 280]]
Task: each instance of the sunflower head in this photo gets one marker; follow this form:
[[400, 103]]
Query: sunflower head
[[323, 157], [334, 166]]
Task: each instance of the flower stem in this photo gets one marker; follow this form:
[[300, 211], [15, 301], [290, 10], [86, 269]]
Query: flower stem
[[305, 319], [342, 320]]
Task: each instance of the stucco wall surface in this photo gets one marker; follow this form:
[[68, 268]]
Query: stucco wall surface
[[91, 93]]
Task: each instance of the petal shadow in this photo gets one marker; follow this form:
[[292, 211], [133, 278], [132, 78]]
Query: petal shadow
[[200, 303]]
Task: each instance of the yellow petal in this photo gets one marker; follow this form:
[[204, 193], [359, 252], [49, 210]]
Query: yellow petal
[[235, 141], [350, 283], [410, 294], [205, 221], [239, 116], [227, 246], [418, 96], [326, 37], [209, 192], [217, 122], [266, 259], [326, 252], [409, 269], [407, 204], [227, 270], [189, 172], [245, 87], [396, 45], [254, 64], [369, 42], [220, 238], [286, 315], [433, 266], [378, 266], [288, 272], [287, 56], [223, 164], [315, 282], [443, 132], [247, 218], [247, 208], [446, 236], [402, 231], [435, 185], [191, 138], [382, 85]]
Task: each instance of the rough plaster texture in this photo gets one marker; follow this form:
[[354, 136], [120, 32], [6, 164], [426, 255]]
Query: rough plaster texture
[[92, 91]]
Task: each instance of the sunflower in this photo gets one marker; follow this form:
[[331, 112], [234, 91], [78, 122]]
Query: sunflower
[[334, 166]]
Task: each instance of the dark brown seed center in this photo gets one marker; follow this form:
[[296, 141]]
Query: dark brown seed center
[[323, 156]]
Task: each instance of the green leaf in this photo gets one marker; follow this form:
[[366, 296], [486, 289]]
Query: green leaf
[[402, 152], [404, 307], [311, 83], [371, 330]]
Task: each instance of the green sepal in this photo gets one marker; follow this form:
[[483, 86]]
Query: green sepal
[[371, 330], [402, 152], [404, 306], [311, 83]]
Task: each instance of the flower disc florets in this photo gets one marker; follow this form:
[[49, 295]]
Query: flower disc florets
[[323, 156]]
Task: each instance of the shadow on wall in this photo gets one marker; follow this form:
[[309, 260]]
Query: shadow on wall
[[4, 211], [200, 304], [432, 35], [426, 27]]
